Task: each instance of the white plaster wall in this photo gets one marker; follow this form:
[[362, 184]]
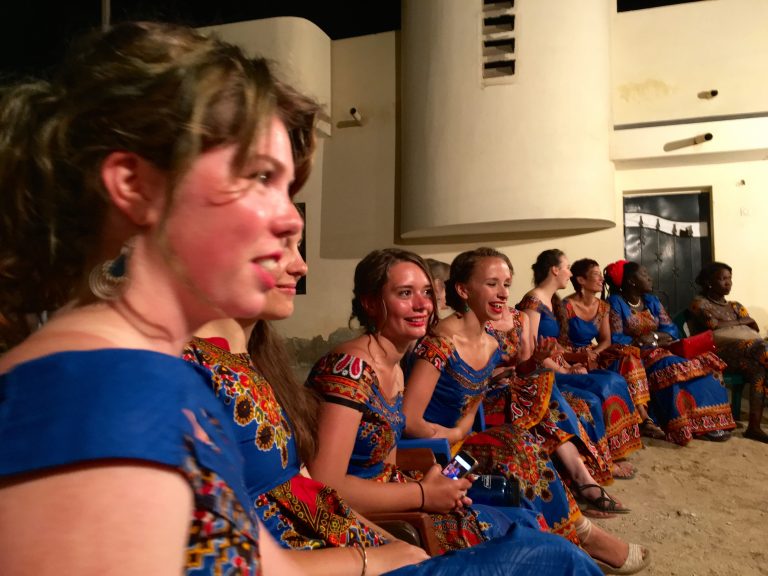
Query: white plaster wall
[[351, 197], [663, 57], [351, 206], [301, 50]]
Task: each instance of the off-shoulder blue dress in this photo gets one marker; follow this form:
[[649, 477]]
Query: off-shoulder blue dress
[[83, 407]]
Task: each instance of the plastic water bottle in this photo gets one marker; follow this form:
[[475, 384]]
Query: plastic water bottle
[[495, 490]]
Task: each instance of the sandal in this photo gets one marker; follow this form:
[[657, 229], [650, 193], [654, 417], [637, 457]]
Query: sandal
[[602, 503], [650, 429], [638, 558], [715, 436]]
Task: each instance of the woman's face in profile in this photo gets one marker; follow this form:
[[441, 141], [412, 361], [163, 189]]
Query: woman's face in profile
[[643, 280], [722, 280], [289, 271], [439, 286], [228, 228], [563, 273], [592, 281]]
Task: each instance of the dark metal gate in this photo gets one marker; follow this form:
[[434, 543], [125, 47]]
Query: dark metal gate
[[669, 234]]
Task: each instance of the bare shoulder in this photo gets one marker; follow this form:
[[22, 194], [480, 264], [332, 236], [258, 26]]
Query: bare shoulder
[[447, 327], [72, 330], [358, 347], [130, 516]]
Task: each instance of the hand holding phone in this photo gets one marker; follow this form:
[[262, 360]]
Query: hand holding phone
[[461, 465], [444, 488]]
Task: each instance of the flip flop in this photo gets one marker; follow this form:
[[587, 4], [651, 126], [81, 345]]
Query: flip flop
[[602, 503], [638, 558], [596, 514]]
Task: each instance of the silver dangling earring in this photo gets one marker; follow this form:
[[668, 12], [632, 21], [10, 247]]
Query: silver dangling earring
[[466, 307], [108, 280]]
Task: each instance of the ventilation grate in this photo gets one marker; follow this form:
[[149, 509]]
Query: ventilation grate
[[498, 40]]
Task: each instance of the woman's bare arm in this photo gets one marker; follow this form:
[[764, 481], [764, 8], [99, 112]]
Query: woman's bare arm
[[130, 517]]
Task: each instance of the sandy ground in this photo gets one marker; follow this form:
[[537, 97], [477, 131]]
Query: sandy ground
[[701, 509]]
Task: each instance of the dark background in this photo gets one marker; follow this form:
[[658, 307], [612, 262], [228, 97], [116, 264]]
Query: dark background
[[35, 33]]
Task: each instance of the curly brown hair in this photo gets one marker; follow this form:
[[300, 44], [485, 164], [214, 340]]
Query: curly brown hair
[[162, 91], [372, 273]]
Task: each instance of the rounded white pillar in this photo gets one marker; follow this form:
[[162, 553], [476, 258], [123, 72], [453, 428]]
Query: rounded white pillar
[[529, 153]]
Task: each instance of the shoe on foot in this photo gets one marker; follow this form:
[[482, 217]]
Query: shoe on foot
[[638, 559], [715, 436], [602, 503]]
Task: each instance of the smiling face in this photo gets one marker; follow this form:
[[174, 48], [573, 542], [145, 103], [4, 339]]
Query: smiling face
[[487, 291], [592, 281], [289, 271], [405, 308], [227, 231]]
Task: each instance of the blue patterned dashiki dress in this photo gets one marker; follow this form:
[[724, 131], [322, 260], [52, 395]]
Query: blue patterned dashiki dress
[[507, 449], [686, 399], [299, 512], [350, 381]]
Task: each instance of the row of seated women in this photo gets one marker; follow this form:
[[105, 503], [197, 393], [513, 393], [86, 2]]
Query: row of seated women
[[118, 456], [632, 328], [146, 191], [346, 425]]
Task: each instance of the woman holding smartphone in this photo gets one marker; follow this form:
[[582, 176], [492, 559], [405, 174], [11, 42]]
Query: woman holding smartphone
[[361, 420], [450, 377]]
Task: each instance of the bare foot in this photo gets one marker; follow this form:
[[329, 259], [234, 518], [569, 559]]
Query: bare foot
[[623, 470]]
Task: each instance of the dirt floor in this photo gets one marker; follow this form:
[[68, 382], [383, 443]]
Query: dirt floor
[[701, 509]]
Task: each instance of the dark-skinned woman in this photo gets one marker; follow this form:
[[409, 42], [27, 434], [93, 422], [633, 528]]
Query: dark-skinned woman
[[737, 337], [686, 399]]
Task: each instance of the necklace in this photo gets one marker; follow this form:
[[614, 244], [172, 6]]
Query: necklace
[[636, 305], [723, 303]]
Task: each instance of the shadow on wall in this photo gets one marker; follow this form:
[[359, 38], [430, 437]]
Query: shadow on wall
[[305, 352]]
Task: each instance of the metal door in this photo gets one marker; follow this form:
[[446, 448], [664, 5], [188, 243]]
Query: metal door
[[669, 234]]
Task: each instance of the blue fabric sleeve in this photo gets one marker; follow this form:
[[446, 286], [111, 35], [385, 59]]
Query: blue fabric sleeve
[[620, 309], [654, 305]]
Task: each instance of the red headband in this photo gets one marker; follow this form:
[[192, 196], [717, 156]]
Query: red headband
[[615, 272]]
